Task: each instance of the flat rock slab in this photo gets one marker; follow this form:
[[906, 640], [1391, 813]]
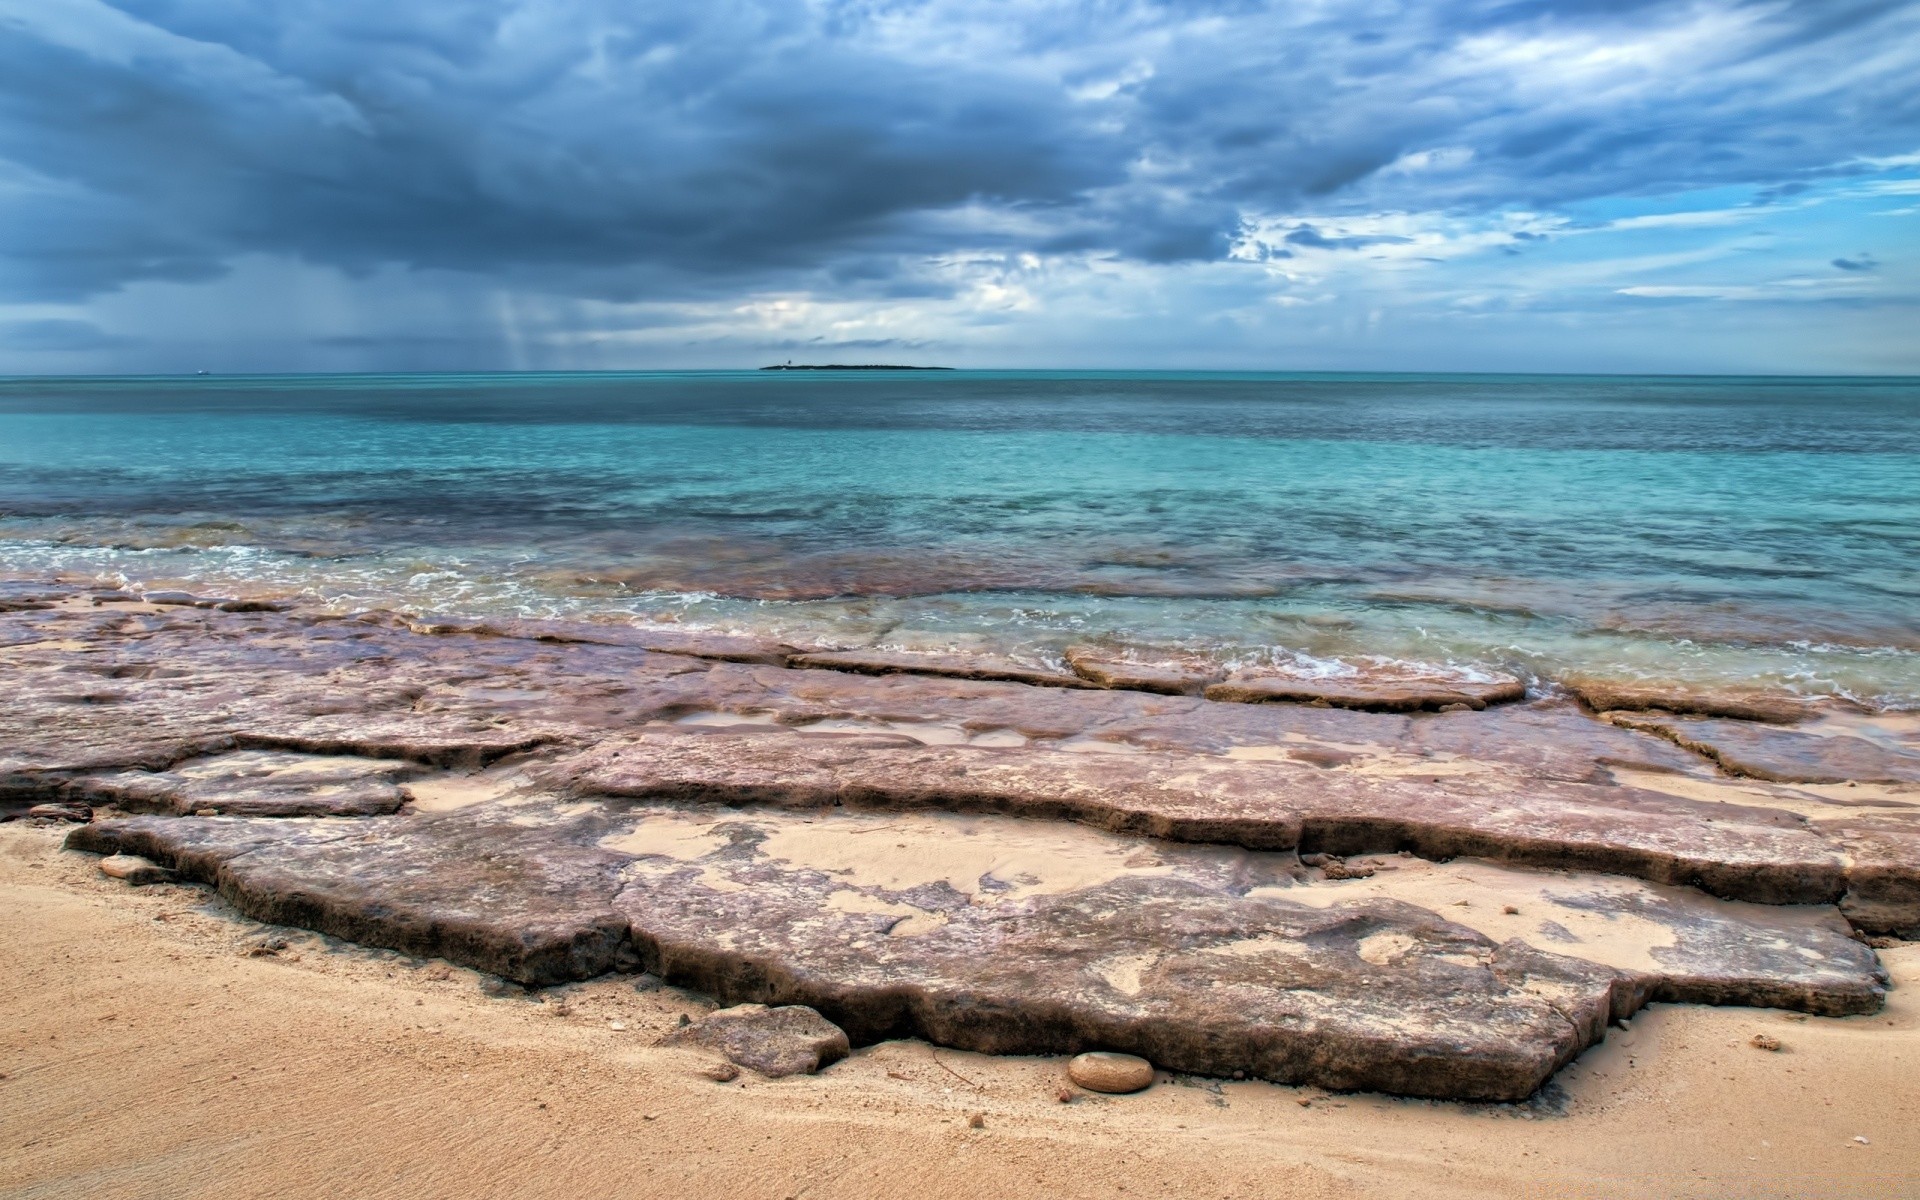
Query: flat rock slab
[[113, 688], [977, 935], [1745, 704], [256, 784], [789, 1040], [1375, 694], [1740, 853], [1783, 755]]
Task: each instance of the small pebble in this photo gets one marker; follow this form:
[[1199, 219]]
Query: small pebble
[[721, 1072], [977, 1121], [1764, 1041], [1511, 911], [1102, 1071], [1861, 1140]]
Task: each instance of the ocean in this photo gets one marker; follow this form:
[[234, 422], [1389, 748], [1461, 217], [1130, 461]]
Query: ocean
[[1707, 531]]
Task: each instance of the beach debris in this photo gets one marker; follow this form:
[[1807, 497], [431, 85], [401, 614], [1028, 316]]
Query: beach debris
[[1863, 1141], [1106, 1071], [1764, 1041], [266, 947], [720, 1072], [134, 870], [789, 1040]]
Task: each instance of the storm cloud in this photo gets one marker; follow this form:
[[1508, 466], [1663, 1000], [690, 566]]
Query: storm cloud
[[697, 153]]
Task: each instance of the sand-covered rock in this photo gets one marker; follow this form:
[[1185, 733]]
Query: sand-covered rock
[[791, 1039], [134, 870]]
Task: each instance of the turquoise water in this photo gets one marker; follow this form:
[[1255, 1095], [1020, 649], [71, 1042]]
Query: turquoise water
[[1712, 530]]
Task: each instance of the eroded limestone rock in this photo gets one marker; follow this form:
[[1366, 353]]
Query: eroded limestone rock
[[979, 937]]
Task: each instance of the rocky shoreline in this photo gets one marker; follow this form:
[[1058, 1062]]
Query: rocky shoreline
[[1414, 887]]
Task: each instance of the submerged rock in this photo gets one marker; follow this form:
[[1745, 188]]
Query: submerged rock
[[1168, 678], [789, 1040], [950, 666]]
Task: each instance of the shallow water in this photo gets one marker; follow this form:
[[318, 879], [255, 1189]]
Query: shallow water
[[1708, 530]]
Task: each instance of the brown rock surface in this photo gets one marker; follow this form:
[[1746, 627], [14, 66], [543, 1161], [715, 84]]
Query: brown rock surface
[[789, 1040]]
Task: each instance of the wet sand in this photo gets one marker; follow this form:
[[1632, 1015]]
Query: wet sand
[[149, 1053]]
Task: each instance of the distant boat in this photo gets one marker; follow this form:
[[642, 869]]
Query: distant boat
[[849, 367], [203, 372]]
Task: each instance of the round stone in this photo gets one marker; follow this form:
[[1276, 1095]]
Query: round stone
[[1103, 1071]]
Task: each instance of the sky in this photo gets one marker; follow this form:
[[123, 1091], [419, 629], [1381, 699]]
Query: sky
[[1398, 185]]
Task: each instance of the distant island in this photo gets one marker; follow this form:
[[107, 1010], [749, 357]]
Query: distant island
[[848, 367]]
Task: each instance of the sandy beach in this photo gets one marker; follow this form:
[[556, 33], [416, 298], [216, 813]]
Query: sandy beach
[[150, 1051]]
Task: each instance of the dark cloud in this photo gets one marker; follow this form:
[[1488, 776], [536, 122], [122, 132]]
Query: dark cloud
[[599, 147], [1859, 262], [58, 334]]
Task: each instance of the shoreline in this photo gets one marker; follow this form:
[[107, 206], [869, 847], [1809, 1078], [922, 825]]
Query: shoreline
[[1452, 902]]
